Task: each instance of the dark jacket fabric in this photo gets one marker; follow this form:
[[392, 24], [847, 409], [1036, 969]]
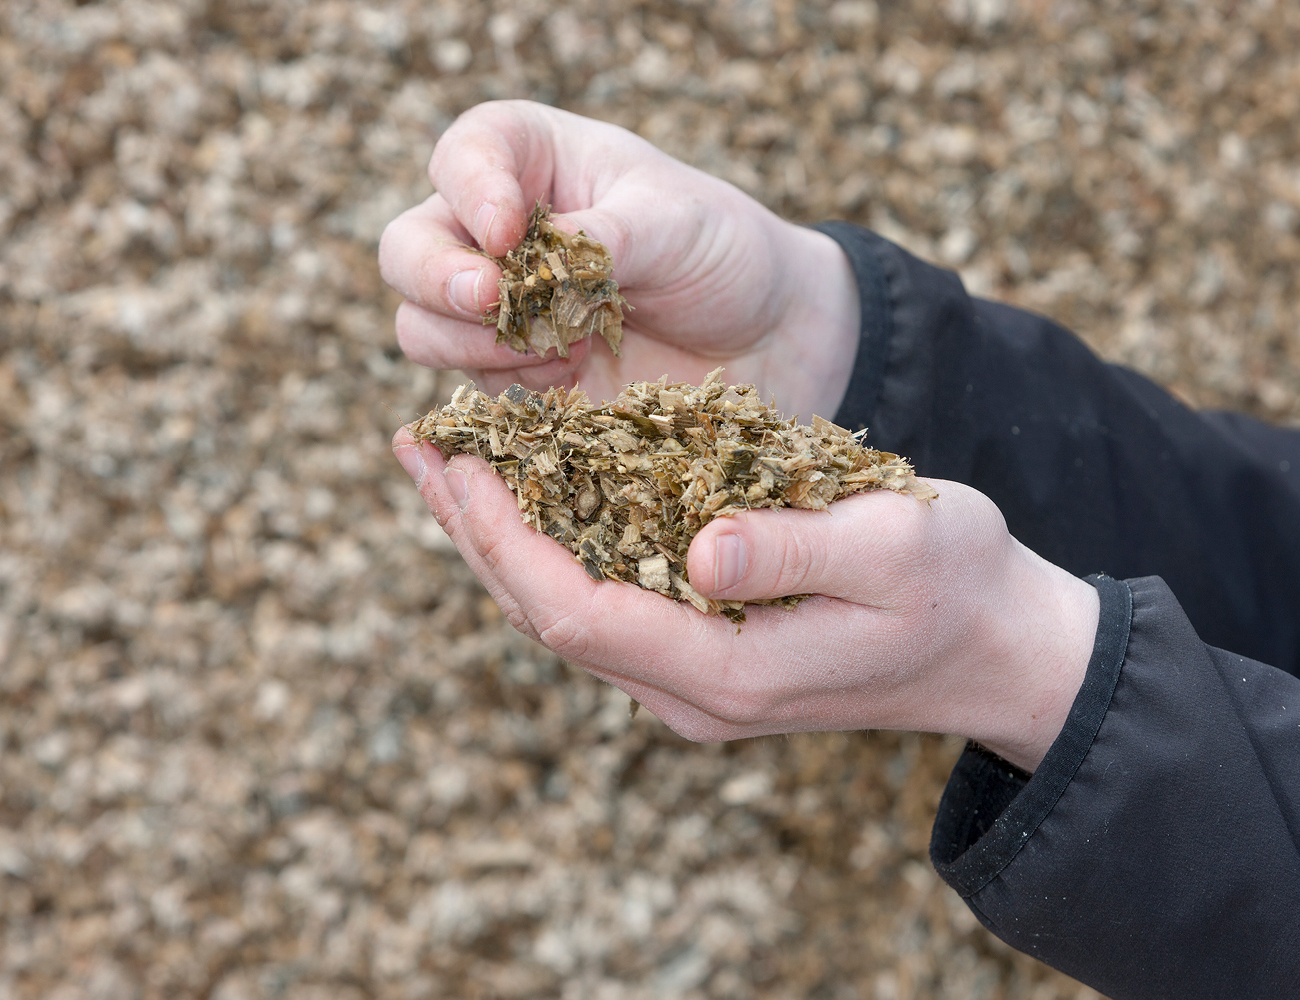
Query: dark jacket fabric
[[1156, 851]]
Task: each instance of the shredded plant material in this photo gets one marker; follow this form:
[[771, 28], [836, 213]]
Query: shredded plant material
[[628, 484], [556, 289]]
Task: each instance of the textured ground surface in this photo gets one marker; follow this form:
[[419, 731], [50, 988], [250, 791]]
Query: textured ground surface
[[261, 735]]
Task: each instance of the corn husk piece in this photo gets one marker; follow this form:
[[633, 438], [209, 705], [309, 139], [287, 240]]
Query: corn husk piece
[[626, 485], [555, 290]]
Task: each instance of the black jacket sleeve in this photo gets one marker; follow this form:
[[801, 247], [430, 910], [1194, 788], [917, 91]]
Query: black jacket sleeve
[[1094, 467], [1156, 850], [1155, 853]]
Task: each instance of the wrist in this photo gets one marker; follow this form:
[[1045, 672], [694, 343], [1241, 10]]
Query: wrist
[[816, 338], [1038, 659]]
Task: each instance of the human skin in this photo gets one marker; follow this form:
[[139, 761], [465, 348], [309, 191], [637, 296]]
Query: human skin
[[927, 617], [713, 278]]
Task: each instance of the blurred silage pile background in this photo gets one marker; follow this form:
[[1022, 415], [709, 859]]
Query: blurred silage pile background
[[261, 733]]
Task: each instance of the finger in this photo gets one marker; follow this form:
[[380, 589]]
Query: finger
[[426, 467], [491, 165], [649, 646], [836, 552], [613, 628], [788, 670], [542, 578], [563, 373], [425, 255], [437, 341], [481, 515], [445, 499], [445, 344]]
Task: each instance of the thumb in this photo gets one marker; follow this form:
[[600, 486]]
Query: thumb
[[604, 225], [835, 552]]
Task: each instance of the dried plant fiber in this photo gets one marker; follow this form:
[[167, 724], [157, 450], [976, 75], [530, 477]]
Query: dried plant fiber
[[626, 485], [556, 289]]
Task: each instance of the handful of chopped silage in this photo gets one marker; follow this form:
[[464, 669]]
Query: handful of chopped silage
[[626, 485]]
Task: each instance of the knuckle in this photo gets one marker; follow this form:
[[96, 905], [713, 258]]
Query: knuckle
[[745, 710], [562, 633], [431, 281], [444, 147], [796, 557], [412, 337], [493, 551], [736, 705], [520, 621], [904, 532]]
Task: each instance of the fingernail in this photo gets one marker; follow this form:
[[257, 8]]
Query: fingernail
[[462, 289], [487, 214], [729, 562], [413, 462], [457, 485]]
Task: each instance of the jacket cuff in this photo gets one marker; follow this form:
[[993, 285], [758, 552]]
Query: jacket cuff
[[865, 251], [990, 808]]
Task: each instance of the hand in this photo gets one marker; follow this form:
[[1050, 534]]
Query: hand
[[712, 276], [930, 617]]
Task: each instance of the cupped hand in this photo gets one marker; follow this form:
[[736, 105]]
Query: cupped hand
[[926, 617], [713, 278]]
